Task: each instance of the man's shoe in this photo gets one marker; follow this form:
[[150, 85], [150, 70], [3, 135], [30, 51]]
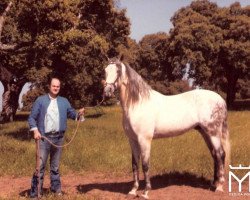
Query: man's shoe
[[59, 194], [36, 197]]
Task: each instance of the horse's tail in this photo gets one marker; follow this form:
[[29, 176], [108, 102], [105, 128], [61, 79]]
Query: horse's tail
[[226, 144]]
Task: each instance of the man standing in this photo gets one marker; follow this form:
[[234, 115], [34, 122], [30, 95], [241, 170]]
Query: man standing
[[49, 118]]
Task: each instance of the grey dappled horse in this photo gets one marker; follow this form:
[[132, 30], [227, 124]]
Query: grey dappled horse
[[147, 114]]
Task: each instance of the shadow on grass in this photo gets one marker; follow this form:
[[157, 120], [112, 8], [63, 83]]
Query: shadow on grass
[[46, 193], [240, 105], [95, 115], [177, 178], [157, 182], [21, 117], [96, 112], [22, 134]]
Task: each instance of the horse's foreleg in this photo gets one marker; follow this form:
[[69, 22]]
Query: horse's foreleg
[[145, 155], [135, 165]]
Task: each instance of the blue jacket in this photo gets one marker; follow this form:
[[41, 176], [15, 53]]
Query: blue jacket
[[39, 110]]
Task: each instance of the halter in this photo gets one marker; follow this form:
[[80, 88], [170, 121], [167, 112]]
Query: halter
[[113, 85], [109, 86]]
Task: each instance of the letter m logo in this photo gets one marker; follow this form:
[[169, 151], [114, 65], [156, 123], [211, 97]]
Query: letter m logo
[[231, 174]]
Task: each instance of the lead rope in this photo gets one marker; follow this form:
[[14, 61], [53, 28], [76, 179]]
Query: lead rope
[[38, 168], [57, 146]]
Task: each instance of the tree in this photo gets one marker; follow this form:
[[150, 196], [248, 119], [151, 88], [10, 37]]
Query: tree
[[12, 84], [149, 59], [28, 98], [154, 66], [2, 20], [69, 39], [244, 88], [196, 41], [234, 56], [215, 42]]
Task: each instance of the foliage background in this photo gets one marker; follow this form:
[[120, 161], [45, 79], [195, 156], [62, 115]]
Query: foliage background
[[72, 39]]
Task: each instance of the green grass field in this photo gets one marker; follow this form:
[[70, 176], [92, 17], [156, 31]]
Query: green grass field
[[101, 146]]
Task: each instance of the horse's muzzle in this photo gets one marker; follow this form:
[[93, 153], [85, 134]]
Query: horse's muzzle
[[109, 90]]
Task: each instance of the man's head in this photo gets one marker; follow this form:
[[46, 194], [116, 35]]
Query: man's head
[[54, 87]]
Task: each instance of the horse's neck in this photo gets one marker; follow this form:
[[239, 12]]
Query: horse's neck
[[125, 103], [123, 98], [123, 85]]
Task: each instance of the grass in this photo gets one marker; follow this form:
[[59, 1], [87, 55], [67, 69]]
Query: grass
[[101, 146]]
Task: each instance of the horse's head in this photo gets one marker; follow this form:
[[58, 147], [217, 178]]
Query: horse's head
[[113, 75]]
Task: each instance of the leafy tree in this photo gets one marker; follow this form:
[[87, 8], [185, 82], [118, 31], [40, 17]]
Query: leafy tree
[[149, 59], [154, 66], [178, 86], [234, 56], [28, 98], [215, 42], [11, 82], [150, 64], [244, 88], [69, 39], [196, 41], [130, 52]]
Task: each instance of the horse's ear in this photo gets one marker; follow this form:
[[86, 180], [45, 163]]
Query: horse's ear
[[108, 59], [121, 57]]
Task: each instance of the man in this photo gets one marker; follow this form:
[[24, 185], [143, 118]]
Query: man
[[49, 118]]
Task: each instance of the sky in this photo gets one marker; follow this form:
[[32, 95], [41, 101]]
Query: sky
[[150, 16]]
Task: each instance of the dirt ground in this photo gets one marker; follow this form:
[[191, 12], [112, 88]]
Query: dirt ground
[[173, 186]]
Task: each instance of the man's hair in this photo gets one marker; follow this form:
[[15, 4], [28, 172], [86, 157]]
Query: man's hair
[[51, 78]]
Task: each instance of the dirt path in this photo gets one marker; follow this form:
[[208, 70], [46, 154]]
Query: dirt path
[[103, 186]]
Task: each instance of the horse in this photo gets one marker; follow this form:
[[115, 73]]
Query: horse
[[148, 114]]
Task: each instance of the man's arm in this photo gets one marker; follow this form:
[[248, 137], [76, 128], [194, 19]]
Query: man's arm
[[71, 112], [32, 120]]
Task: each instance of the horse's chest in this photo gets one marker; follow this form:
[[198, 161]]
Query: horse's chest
[[135, 126], [129, 131]]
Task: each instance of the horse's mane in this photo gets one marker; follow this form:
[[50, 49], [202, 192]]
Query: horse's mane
[[136, 87]]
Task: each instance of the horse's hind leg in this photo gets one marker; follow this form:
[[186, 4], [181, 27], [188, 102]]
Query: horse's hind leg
[[135, 165], [215, 146], [145, 146]]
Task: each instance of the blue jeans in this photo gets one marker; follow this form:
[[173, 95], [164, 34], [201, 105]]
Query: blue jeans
[[47, 149]]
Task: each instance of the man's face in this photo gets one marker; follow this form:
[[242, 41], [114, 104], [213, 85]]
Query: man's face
[[54, 87]]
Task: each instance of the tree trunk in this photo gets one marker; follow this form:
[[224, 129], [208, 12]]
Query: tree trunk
[[231, 89], [2, 20], [12, 89], [12, 85], [10, 100]]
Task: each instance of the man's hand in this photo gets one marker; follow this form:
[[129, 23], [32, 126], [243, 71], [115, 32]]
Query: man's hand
[[81, 112], [37, 135], [104, 83]]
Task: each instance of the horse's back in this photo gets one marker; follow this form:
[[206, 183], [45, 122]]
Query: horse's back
[[206, 101], [210, 107], [179, 113], [194, 99]]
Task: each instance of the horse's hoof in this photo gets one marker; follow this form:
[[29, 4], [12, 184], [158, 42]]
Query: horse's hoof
[[219, 188], [143, 197]]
